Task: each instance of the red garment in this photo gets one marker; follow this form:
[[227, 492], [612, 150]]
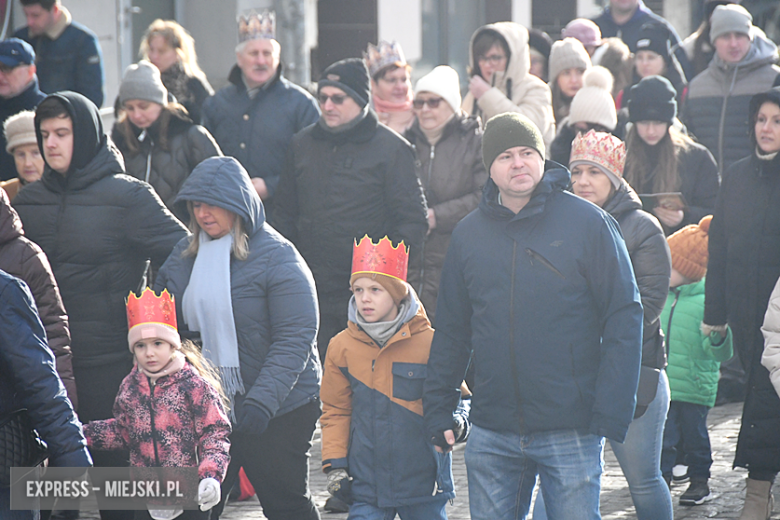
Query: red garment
[[178, 424]]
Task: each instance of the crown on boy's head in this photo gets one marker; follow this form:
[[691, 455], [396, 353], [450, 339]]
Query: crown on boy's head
[[381, 55], [253, 26], [380, 258], [150, 308]]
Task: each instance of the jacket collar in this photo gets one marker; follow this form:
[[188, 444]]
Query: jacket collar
[[236, 78], [360, 133], [61, 24], [27, 99], [556, 178]]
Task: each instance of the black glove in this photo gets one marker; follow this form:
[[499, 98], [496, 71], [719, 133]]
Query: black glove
[[252, 420], [441, 442], [340, 485]]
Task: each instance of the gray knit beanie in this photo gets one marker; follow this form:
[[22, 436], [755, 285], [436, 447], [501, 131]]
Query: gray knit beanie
[[730, 18], [506, 131], [568, 53], [142, 81]]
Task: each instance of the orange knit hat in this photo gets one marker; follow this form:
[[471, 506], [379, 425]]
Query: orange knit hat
[[689, 249]]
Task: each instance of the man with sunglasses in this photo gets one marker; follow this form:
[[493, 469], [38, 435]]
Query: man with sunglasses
[[347, 176], [254, 117]]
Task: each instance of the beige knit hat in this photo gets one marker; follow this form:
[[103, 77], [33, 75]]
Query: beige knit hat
[[593, 103], [19, 129], [568, 53]]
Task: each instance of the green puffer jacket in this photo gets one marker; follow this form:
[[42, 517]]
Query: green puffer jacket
[[694, 362]]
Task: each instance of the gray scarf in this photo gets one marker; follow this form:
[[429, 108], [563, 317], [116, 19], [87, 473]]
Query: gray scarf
[[383, 331], [207, 307]]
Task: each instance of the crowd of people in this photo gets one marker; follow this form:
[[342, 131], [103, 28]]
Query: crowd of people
[[577, 244]]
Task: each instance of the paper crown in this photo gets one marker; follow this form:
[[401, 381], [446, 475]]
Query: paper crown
[[380, 258], [253, 26], [600, 148], [150, 308], [380, 56]]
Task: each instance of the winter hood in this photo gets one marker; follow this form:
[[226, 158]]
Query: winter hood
[[10, 223], [762, 52], [223, 182], [519, 62]]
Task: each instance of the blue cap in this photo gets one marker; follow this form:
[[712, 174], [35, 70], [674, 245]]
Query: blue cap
[[15, 52]]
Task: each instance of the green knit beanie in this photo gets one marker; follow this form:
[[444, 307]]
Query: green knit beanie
[[506, 131]]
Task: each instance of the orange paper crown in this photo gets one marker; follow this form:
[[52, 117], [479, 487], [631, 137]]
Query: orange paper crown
[[150, 308], [380, 258]]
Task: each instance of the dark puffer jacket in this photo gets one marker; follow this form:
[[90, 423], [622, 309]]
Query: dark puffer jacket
[[257, 130], [652, 263], [274, 299], [187, 144], [28, 379], [98, 227], [547, 303], [23, 258], [744, 265], [716, 109], [452, 174], [339, 187]]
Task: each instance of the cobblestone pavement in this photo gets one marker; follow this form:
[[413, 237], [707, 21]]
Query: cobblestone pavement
[[727, 485]]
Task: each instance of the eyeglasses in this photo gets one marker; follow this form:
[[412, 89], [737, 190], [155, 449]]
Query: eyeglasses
[[493, 59], [337, 99], [432, 103]]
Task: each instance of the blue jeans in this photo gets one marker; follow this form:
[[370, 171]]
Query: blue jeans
[[433, 510], [640, 458], [502, 469], [687, 422]]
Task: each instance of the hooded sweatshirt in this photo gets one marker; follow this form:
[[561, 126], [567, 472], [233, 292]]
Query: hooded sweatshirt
[[515, 89]]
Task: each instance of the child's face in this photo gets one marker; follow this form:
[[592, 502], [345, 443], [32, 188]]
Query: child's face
[[153, 354], [374, 303]]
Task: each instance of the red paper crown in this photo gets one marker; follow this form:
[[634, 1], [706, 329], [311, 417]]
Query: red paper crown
[[380, 258], [150, 308]]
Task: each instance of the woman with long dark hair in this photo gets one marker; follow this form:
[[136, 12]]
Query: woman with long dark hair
[[660, 159]]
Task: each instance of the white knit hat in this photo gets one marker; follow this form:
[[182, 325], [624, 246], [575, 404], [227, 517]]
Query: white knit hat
[[593, 103], [444, 81], [20, 129], [568, 53]]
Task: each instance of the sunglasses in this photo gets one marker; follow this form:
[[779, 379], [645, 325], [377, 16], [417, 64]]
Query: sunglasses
[[337, 99], [432, 103]]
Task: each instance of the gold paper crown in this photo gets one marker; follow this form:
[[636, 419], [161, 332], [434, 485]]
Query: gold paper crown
[[150, 308], [380, 258], [253, 26], [380, 56], [600, 148]]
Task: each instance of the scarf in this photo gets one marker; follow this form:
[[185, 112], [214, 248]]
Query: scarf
[[175, 80], [382, 331], [207, 307], [434, 134], [175, 364], [765, 156], [380, 105]]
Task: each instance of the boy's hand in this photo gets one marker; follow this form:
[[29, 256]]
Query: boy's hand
[[340, 485], [209, 493], [444, 442]]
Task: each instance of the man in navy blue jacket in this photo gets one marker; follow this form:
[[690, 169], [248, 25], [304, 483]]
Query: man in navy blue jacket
[[538, 290], [68, 54]]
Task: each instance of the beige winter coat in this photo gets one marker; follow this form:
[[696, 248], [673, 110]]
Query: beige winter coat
[[515, 90], [771, 329]]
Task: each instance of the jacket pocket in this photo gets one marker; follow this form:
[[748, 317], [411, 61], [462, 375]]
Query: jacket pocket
[[408, 379]]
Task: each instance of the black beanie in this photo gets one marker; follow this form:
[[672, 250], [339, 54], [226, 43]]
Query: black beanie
[[351, 76], [654, 37], [652, 99]]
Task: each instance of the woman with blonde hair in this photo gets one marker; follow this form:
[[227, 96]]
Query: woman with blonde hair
[[170, 48]]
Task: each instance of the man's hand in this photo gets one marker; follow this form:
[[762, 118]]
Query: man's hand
[[431, 220], [443, 443], [478, 86], [260, 187]]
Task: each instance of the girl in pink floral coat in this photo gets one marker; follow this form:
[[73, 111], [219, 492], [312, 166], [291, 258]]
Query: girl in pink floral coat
[[169, 411]]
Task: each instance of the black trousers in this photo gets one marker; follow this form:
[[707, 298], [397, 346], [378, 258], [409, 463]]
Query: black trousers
[[277, 464]]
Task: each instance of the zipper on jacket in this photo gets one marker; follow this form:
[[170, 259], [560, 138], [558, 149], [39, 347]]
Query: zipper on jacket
[[151, 417], [542, 260], [425, 239], [512, 353], [676, 291], [722, 123]]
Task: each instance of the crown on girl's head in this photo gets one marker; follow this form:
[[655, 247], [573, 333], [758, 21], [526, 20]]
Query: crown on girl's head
[[380, 258], [150, 308], [253, 26], [600, 148], [380, 56]]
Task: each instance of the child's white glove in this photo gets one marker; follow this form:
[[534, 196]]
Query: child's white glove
[[164, 514], [209, 493]]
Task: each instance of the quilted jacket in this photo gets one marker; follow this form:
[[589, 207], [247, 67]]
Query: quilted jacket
[[178, 421]]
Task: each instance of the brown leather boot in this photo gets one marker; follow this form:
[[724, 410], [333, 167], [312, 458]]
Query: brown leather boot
[[758, 500]]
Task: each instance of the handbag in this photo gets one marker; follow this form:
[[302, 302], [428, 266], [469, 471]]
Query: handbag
[[20, 445]]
